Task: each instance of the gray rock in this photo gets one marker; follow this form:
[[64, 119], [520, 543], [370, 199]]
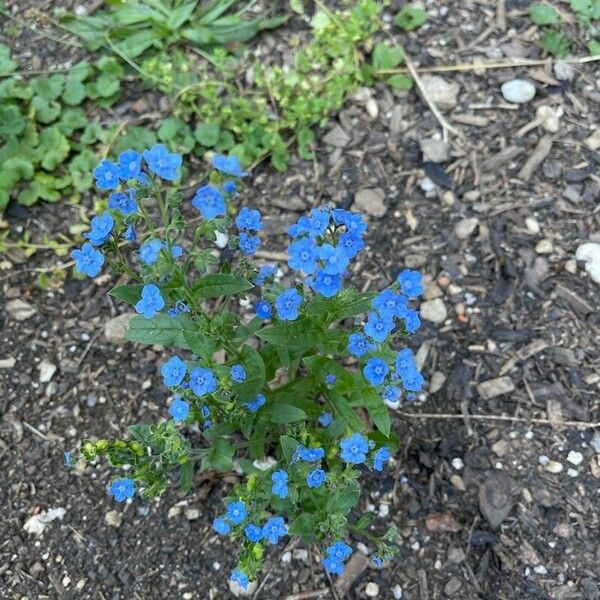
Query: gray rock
[[595, 442], [337, 137], [397, 119], [434, 311], [456, 555], [115, 329], [518, 91], [441, 92], [371, 201], [563, 70], [495, 498], [495, 387], [465, 228], [47, 370], [20, 310], [437, 381], [452, 586], [434, 150]]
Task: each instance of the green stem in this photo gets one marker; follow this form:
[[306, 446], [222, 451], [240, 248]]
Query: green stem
[[365, 534]]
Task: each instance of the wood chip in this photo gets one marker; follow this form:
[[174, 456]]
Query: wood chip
[[575, 301], [353, 569], [501, 158], [536, 158], [469, 119]]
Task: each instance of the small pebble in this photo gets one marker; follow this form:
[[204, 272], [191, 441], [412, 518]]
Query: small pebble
[[595, 442], [397, 592], [434, 310], [533, 225], [575, 458], [518, 91], [544, 246], [572, 472], [540, 570], [465, 228], [113, 518], [372, 589], [458, 463], [554, 467]]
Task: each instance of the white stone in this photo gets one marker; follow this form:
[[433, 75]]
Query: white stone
[[543, 460], [465, 228], [575, 458], [47, 370], [571, 472], [264, 464], [115, 329], [434, 310], [192, 514], [563, 70], [36, 524], [589, 253], [436, 151], [300, 554], [371, 201], [532, 225], [440, 91], [495, 387], [595, 442], [221, 239], [19, 309], [458, 463], [397, 592], [372, 108], [113, 518], [544, 246], [286, 558], [540, 570], [384, 510], [554, 467], [518, 91], [7, 363], [436, 383], [372, 589]]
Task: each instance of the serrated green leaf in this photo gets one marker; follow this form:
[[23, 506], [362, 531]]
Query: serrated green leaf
[[543, 14], [53, 148], [219, 456], [12, 122]]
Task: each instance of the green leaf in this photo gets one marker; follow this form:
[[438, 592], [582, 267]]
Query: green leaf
[[207, 134], [321, 366], [7, 64], [54, 147], [254, 366], [220, 284], [50, 88], [304, 525], [410, 17], [593, 48], [294, 336], [80, 170], [219, 456], [74, 92], [387, 57], [186, 476], [376, 408], [199, 344], [343, 408], [297, 6], [141, 433], [555, 43], [45, 111], [72, 119], [11, 121], [160, 329], [400, 81], [288, 447], [285, 413], [344, 500], [129, 293], [543, 14]]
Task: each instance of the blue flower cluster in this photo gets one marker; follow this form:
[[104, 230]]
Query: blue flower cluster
[[121, 489], [236, 514], [323, 246], [336, 555]]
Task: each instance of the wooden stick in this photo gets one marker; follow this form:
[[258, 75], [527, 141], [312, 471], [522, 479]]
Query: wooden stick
[[577, 424]]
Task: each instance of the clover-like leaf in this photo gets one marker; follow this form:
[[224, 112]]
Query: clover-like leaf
[[410, 17]]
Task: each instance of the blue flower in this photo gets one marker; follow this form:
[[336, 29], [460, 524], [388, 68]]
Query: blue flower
[[176, 251], [308, 454], [325, 419], [121, 489], [209, 201], [266, 272], [205, 411], [280, 488], [106, 175], [335, 260], [151, 301], [274, 529], [303, 255], [381, 456], [351, 244], [263, 310], [413, 382], [391, 393], [130, 166], [354, 449], [339, 551], [124, 202], [411, 283], [88, 260], [316, 478], [238, 373], [173, 371], [353, 221], [326, 284], [150, 251], [256, 403], [203, 381], [389, 304], [130, 233], [240, 578], [101, 229], [378, 327], [330, 379], [249, 244], [221, 526], [162, 162], [236, 512], [179, 308], [375, 371], [333, 566], [229, 187], [179, 409], [248, 219], [230, 165], [317, 223], [359, 345], [412, 322], [253, 532], [405, 361], [378, 561], [287, 305]]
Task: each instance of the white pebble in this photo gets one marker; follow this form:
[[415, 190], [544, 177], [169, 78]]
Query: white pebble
[[572, 472], [575, 458], [518, 91], [540, 570], [384, 510], [286, 558], [543, 460], [458, 463], [372, 589], [554, 467], [397, 592]]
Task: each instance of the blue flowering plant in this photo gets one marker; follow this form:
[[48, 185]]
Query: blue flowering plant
[[286, 378]]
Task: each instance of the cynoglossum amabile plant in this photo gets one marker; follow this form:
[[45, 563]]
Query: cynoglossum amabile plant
[[288, 383]]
